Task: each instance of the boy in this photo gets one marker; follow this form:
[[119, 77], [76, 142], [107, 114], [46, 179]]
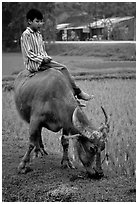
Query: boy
[[35, 56]]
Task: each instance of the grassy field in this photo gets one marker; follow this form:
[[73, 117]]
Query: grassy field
[[86, 57], [109, 73], [111, 50]]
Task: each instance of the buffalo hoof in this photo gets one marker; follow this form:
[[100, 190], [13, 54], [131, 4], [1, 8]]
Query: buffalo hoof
[[99, 175], [76, 177], [67, 164], [95, 176], [24, 170], [45, 152], [39, 153]]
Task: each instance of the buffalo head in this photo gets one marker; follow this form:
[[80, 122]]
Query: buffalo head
[[90, 141]]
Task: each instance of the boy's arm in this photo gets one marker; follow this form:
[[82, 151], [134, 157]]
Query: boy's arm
[[46, 58], [43, 50], [26, 46]]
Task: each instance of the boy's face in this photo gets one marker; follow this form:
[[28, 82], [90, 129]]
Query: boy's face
[[36, 24]]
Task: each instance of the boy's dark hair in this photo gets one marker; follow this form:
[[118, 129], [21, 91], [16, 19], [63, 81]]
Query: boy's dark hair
[[34, 13]]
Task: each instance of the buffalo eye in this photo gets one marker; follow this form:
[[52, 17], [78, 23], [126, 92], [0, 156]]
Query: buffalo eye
[[93, 149]]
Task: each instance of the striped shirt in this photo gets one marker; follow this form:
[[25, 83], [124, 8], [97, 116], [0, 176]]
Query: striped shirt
[[32, 47]]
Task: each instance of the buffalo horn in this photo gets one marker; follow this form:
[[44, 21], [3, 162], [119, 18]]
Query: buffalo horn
[[106, 117], [71, 136]]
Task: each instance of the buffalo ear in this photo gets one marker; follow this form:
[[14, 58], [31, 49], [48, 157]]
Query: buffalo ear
[[79, 120]]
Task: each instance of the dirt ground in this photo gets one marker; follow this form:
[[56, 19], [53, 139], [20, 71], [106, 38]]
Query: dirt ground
[[46, 181]]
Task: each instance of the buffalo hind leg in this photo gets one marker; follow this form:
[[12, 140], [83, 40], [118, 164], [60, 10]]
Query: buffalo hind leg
[[66, 163], [35, 134]]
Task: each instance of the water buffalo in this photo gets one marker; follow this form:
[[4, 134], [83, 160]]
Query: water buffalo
[[46, 99]]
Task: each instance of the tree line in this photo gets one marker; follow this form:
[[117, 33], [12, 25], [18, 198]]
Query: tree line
[[14, 21], [14, 16]]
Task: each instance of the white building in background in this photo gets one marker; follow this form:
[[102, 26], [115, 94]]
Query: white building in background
[[116, 28]]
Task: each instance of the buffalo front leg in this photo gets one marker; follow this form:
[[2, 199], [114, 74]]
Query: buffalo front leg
[[66, 163], [42, 149], [99, 169], [35, 134]]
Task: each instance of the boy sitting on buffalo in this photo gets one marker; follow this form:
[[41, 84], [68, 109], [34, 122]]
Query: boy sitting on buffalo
[[34, 55]]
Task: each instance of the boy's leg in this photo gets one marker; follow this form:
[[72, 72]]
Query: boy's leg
[[77, 91], [80, 94]]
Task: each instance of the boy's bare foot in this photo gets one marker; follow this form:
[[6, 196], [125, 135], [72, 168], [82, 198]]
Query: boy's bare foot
[[84, 96]]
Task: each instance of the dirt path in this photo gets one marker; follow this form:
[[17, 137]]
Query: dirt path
[[48, 182]]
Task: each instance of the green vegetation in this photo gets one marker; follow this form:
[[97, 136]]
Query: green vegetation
[[109, 51], [85, 61], [14, 22], [118, 97], [93, 10], [80, 55]]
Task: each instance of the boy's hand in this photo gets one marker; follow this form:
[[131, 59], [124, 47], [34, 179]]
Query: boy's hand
[[50, 58], [47, 59]]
